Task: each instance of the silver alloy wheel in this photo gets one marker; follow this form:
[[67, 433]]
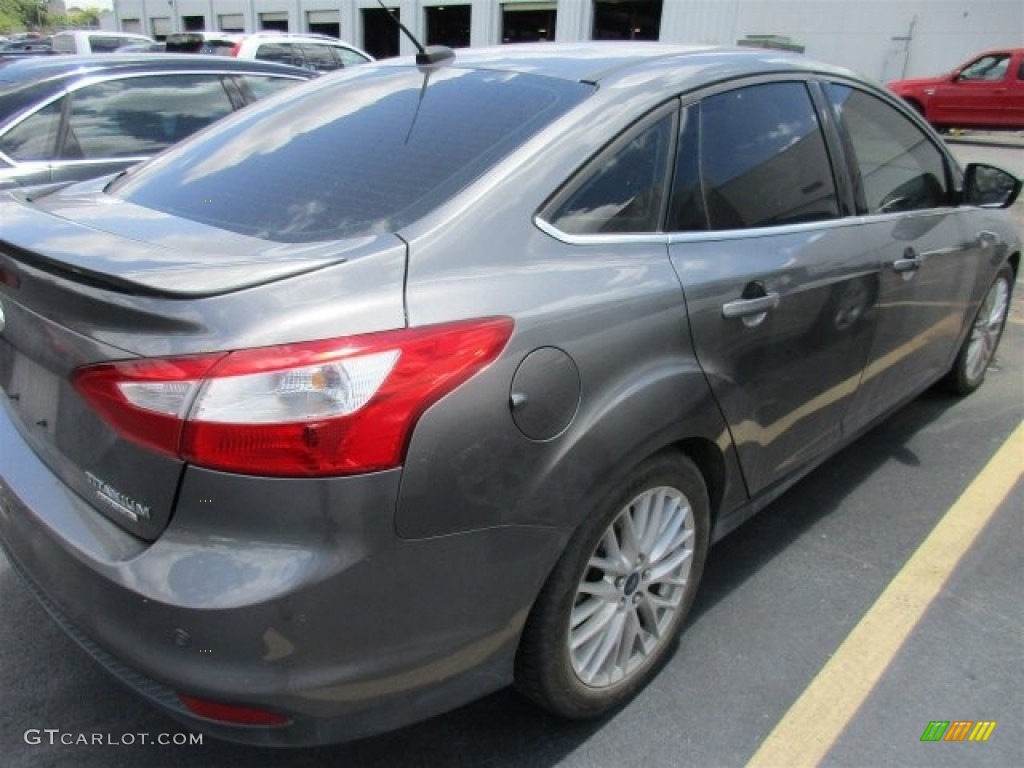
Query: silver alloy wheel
[[632, 588], [987, 327]]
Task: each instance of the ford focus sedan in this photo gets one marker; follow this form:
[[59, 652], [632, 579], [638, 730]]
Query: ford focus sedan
[[419, 380]]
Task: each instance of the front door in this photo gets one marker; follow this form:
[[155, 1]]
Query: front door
[[779, 292]]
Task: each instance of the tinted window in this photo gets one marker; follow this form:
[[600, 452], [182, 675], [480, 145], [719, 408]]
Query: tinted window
[[686, 211], [899, 167], [65, 43], [281, 53], [351, 155], [319, 58], [621, 190], [139, 116], [350, 58], [261, 86], [34, 138], [763, 158], [104, 44]]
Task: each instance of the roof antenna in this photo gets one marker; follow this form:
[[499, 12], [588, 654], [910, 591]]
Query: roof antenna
[[431, 55]]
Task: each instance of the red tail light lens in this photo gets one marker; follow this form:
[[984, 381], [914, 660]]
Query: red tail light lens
[[334, 407], [232, 713]]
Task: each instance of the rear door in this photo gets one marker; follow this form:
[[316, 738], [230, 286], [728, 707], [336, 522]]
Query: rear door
[[904, 191], [779, 290]]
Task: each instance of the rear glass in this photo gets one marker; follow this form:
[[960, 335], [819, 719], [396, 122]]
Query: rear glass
[[350, 155]]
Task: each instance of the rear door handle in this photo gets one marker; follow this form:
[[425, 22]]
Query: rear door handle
[[909, 263], [748, 307]]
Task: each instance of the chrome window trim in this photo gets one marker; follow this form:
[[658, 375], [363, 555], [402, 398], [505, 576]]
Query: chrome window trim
[[671, 238]]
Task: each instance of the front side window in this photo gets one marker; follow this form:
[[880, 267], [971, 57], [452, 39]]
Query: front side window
[[763, 160], [622, 189], [899, 168], [35, 137], [139, 116], [351, 155], [990, 67]]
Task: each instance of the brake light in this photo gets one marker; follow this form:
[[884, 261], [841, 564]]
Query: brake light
[[334, 407], [235, 49]]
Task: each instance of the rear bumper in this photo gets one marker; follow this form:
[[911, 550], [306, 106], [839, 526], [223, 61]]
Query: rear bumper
[[291, 596]]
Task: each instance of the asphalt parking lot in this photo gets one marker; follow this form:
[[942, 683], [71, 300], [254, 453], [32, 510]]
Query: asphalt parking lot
[[812, 603]]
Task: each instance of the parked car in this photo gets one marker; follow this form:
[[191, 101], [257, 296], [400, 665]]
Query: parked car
[[319, 53], [95, 41], [419, 380], [26, 45], [66, 118], [986, 92]]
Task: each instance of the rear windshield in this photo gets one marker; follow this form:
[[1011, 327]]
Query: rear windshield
[[350, 155]]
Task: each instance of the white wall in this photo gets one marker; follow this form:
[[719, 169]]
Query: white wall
[[866, 35]]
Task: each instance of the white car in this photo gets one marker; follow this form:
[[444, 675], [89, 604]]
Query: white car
[[319, 53], [96, 41]]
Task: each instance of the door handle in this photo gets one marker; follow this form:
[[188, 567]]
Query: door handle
[[909, 263], [748, 307]]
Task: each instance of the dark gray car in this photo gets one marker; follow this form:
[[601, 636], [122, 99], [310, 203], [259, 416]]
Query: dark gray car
[[416, 381], [68, 118]]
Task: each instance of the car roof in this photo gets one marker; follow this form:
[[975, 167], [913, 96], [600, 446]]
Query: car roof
[[606, 62], [21, 71]]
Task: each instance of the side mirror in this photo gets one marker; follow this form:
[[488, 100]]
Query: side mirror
[[989, 187]]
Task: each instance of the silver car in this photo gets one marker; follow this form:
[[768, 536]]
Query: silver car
[[418, 380]]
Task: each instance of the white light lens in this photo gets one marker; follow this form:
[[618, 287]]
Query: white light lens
[[171, 397], [298, 394]]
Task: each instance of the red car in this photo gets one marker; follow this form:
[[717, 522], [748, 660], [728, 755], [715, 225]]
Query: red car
[[986, 92]]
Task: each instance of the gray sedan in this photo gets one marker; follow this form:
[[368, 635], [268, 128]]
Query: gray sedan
[[423, 379]]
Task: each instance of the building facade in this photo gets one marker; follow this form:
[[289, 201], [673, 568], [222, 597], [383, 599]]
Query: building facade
[[883, 39]]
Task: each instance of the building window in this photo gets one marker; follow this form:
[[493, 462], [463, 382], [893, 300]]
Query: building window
[[131, 25], [324, 23], [380, 33], [448, 25], [527, 22], [193, 23], [627, 19], [275, 21], [231, 22], [161, 28]]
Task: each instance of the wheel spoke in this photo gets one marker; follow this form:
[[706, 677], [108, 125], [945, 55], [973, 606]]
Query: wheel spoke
[[593, 626], [603, 590], [604, 648]]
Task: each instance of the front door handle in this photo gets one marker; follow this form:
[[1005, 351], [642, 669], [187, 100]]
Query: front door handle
[[909, 263], [749, 307]]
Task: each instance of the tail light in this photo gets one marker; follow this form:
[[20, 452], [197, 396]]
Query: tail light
[[233, 53], [335, 407], [233, 714]]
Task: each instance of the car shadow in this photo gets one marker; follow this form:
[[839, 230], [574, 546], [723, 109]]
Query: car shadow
[[47, 682]]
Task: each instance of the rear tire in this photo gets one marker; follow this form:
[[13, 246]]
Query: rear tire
[[612, 608], [979, 348]]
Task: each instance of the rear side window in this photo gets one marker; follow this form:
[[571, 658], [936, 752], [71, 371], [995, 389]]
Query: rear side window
[[350, 58], [63, 43], [261, 86], [622, 189], [34, 138], [282, 53], [319, 58], [763, 160], [141, 115], [105, 44], [899, 167], [351, 155]]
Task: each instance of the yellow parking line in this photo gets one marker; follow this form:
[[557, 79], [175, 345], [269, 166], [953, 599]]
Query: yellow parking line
[[814, 722]]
